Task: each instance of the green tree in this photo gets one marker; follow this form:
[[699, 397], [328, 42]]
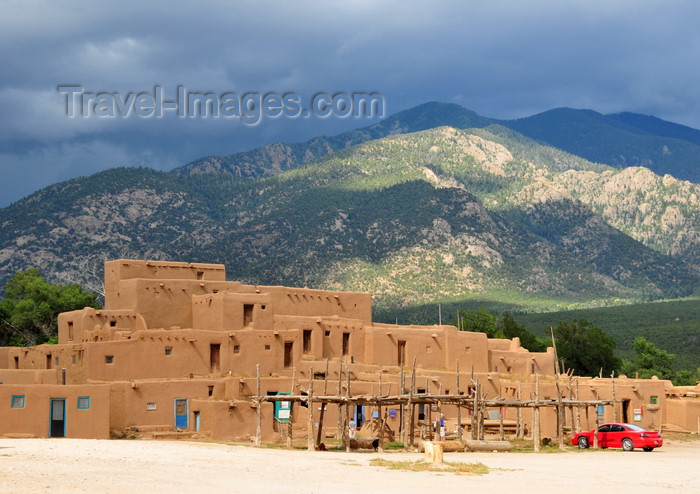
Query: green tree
[[651, 361], [29, 311], [480, 321], [511, 329], [585, 348]]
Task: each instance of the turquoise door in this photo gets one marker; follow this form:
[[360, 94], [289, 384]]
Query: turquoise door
[[181, 413]]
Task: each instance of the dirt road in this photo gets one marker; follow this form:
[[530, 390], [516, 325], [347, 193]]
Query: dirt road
[[74, 465]]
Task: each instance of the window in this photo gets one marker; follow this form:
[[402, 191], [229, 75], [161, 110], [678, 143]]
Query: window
[[83, 402], [346, 343], [109, 359], [307, 341], [150, 406], [70, 330], [401, 360], [247, 314], [288, 354], [236, 348], [267, 347], [215, 357], [18, 401], [112, 324], [168, 350], [653, 400]]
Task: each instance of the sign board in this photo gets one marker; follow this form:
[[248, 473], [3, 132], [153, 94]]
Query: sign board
[[637, 414], [283, 409]]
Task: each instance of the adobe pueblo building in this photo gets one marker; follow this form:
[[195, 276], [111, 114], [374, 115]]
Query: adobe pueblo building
[[178, 350]]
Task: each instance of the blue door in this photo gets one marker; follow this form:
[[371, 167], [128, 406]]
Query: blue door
[[58, 418], [181, 413]]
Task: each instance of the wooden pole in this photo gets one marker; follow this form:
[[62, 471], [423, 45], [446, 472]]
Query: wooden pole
[[402, 408], [536, 416], [346, 437], [291, 408], [411, 406], [258, 425], [319, 434], [501, 435], [380, 422], [578, 410], [519, 432], [560, 415], [339, 429], [459, 407], [482, 412], [475, 408], [429, 413], [310, 443], [614, 404], [571, 407]]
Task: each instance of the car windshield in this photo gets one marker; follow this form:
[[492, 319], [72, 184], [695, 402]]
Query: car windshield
[[637, 428]]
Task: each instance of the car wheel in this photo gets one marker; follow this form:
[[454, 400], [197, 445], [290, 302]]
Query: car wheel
[[627, 444], [648, 448], [582, 443]]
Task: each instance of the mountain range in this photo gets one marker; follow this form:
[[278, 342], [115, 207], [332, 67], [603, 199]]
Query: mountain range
[[436, 203]]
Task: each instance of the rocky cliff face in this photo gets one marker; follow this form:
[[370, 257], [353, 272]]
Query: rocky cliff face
[[432, 215]]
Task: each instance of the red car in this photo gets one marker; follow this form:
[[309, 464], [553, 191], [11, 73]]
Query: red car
[[625, 436]]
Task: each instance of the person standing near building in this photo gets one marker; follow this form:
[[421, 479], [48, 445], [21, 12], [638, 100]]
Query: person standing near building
[[352, 428], [442, 427]]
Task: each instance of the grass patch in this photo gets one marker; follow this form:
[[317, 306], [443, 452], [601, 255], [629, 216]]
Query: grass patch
[[393, 445], [421, 466], [522, 445], [682, 437]]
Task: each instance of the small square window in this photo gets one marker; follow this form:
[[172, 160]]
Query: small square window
[[83, 402], [267, 347], [112, 324], [653, 400], [109, 359], [150, 406], [327, 333], [18, 401], [168, 350]]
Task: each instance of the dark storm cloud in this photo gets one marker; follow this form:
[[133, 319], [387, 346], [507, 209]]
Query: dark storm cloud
[[503, 59]]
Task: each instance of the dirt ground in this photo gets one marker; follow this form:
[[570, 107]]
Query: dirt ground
[[122, 466]]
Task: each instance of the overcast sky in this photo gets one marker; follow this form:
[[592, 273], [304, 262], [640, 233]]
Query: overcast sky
[[500, 58]]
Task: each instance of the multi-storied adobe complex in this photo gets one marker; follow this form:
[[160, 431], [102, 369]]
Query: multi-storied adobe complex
[[177, 347]]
